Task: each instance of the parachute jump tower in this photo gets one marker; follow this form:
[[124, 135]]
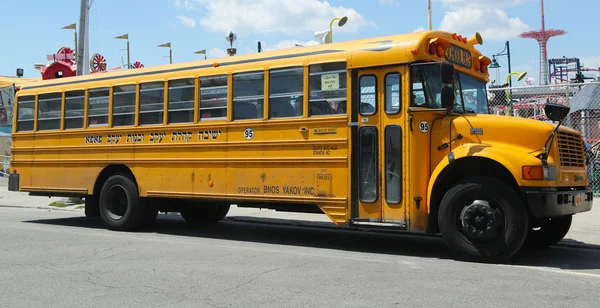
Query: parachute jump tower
[[542, 36]]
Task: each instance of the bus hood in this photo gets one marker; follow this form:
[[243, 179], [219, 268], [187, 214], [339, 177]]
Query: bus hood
[[526, 134]]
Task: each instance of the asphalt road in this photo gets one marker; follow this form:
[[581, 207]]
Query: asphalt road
[[61, 259]]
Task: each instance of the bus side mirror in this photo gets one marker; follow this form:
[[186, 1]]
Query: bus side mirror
[[448, 97], [447, 70], [556, 112]]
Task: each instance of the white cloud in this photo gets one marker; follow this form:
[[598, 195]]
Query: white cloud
[[187, 21], [289, 44], [419, 29], [187, 5], [276, 16], [480, 3], [492, 23], [484, 16], [216, 53], [389, 2]]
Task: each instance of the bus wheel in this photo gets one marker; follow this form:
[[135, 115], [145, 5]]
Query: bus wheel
[[92, 208], [121, 207], [482, 219], [549, 232], [196, 213]]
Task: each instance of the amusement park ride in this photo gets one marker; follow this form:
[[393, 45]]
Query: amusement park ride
[[63, 64]]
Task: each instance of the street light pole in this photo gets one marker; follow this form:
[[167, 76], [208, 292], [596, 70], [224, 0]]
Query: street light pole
[[170, 51], [126, 37], [509, 90], [503, 53], [201, 52], [73, 27], [429, 12]]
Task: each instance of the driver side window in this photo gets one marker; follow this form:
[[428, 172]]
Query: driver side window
[[418, 92]]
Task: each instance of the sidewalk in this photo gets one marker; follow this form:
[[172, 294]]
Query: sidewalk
[[585, 230]]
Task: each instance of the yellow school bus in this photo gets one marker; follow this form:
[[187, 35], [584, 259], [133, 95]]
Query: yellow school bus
[[387, 132]]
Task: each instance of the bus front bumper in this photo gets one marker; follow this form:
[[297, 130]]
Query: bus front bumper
[[547, 204]]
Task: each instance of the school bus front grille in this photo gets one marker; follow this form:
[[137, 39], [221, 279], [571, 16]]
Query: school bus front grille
[[570, 149]]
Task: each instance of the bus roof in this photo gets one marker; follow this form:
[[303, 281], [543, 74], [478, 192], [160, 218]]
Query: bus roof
[[377, 51]]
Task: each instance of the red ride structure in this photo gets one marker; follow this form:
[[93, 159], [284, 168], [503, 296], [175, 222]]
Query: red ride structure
[[542, 36]]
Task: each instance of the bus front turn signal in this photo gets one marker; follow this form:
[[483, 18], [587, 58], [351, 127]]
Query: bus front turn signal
[[538, 173]]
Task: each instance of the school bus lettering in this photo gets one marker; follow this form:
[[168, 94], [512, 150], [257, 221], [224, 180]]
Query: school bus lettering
[[134, 138], [313, 142], [325, 131], [157, 137], [181, 136], [271, 189], [209, 134], [323, 149], [93, 139], [113, 139], [324, 176], [459, 56], [248, 190]]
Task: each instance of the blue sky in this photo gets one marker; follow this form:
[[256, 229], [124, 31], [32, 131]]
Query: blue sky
[[32, 28]]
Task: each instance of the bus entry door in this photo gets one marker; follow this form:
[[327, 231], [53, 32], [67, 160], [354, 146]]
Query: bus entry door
[[378, 141]]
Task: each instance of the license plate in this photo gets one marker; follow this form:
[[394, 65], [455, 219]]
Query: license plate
[[578, 200]]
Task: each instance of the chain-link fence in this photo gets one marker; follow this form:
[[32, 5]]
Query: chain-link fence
[[584, 116]]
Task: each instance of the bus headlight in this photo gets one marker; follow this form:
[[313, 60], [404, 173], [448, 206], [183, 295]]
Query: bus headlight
[[539, 173]]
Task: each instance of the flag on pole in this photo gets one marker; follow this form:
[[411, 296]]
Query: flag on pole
[[323, 37], [70, 27], [165, 45], [123, 37]]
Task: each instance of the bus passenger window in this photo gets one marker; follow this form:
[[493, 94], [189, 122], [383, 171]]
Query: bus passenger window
[[213, 98], [248, 96], [181, 101], [392, 93], [25, 112], [152, 103], [327, 89], [123, 105], [285, 92], [74, 102], [49, 111], [368, 93], [98, 107]]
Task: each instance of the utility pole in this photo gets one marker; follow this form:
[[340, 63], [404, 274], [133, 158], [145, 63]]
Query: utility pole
[[83, 57], [429, 12]]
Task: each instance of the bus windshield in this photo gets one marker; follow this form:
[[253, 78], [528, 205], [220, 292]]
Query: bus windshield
[[427, 88]]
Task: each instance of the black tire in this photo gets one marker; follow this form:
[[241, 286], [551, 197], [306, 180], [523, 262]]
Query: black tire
[[549, 232], [92, 207], [121, 207], [203, 213], [504, 220]]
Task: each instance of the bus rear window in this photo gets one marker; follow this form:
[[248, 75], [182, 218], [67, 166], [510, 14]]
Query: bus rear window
[[25, 113]]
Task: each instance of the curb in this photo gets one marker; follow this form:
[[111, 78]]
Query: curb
[[45, 207]]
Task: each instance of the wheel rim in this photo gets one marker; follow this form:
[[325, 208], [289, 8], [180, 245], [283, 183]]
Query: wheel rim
[[481, 220], [117, 202]]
